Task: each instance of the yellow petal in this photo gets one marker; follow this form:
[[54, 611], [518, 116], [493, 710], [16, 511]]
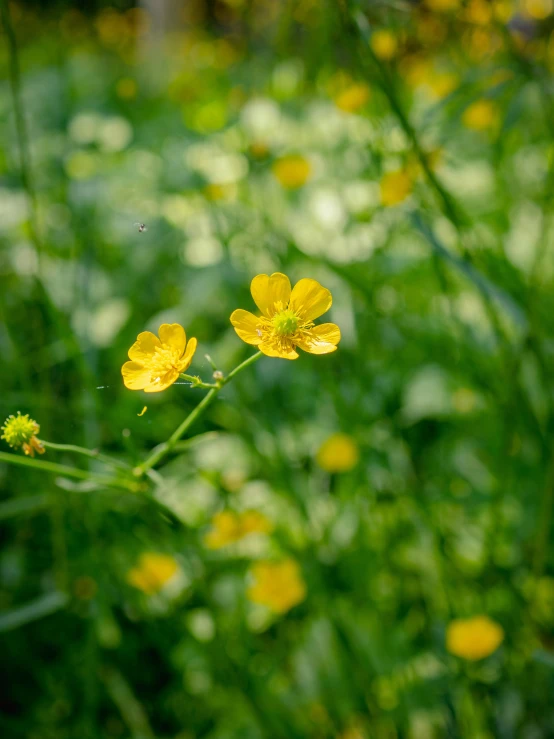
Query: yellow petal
[[186, 359], [321, 339], [245, 324], [275, 350], [161, 383], [144, 346], [174, 336], [268, 291], [135, 376], [309, 299]]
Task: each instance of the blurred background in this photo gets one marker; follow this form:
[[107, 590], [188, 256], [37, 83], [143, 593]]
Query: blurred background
[[356, 545]]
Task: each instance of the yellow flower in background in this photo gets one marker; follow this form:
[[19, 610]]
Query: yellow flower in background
[[277, 585], [21, 431], [352, 98], [292, 171], [287, 317], [384, 44], [443, 83], [152, 572], [157, 362], [395, 187], [229, 527], [537, 9], [473, 638], [338, 453], [481, 115]]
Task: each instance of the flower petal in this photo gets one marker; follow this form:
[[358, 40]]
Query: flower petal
[[144, 346], [245, 324], [174, 336], [271, 349], [135, 375], [309, 299], [162, 382], [321, 339], [186, 359], [269, 291]]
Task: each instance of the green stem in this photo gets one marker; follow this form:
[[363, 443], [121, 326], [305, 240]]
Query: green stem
[[62, 469], [93, 453], [164, 449], [197, 382]]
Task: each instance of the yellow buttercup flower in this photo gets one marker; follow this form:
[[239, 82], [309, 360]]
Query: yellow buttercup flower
[[152, 572], [395, 187], [229, 527], [384, 44], [473, 638], [481, 115], [352, 98], [338, 453], [287, 319], [292, 171], [277, 585], [157, 362], [21, 431]]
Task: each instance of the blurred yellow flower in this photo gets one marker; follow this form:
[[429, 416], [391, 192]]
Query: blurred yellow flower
[[537, 9], [152, 572], [395, 187], [277, 585], [229, 527], [443, 83], [21, 431], [478, 12], [338, 453], [287, 318], [352, 98], [157, 362], [384, 44], [292, 171], [473, 638], [481, 115]]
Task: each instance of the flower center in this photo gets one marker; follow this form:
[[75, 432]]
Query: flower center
[[163, 361], [285, 323]]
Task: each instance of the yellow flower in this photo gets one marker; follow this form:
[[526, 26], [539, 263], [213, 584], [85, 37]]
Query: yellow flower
[[352, 98], [338, 453], [443, 83], [229, 527], [287, 317], [292, 171], [20, 431], [152, 572], [395, 187], [473, 638], [156, 363], [384, 44], [481, 115], [277, 585]]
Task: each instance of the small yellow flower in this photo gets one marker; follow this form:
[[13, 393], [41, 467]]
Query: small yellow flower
[[157, 362], [277, 585], [229, 527], [481, 115], [443, 83], [384, 44], [292, 171], [395, 187], [21, 431], [287, 319], [352, 98], [152, 572], [473, 638], [338, 453]]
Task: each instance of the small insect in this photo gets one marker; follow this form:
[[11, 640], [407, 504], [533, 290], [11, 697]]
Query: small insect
[[141, 227]]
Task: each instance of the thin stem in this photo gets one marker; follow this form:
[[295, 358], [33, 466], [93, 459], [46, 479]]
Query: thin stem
[[62, 469], [164, 449], [93, 453], [197, 382]]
